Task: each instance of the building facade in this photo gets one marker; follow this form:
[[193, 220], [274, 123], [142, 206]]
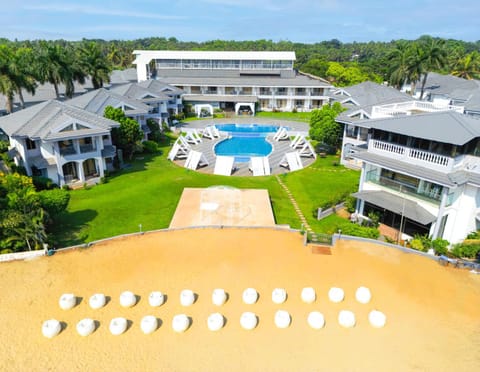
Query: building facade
[[242, 82]]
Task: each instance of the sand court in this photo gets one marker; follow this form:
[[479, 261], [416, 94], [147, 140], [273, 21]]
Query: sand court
[[432, 311]]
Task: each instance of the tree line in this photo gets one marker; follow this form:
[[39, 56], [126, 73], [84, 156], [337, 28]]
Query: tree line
[[25, 64]]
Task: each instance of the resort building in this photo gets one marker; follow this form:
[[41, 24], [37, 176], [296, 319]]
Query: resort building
[[60, 141], [241, 82], [369, 100], [421, 173]]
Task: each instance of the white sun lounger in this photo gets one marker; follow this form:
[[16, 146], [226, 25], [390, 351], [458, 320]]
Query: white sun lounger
[[195, 159], [183, 141], [193, 137], [224, 165], [211, 132], [178, 151], [281, 134], [259, 165], [307, 151], [292, 161], [298, 141]]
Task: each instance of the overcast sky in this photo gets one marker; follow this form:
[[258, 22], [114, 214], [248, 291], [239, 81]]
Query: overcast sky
[[305, 21]]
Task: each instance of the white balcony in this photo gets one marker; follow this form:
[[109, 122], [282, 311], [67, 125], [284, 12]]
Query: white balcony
[[412, 156], [411, 107]]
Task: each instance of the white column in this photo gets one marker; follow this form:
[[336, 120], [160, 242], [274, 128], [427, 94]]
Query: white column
[[81, 173]]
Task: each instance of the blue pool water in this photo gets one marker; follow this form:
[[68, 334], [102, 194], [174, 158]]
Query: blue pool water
[[247, 128], [245, 140]]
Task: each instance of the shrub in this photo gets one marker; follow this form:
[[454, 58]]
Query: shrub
[[325, 148], [350, 203], [417, 244], [3, 146], [467, 249], [362, 231], [440, 246], [43, 183], [150, 147], [54, 202]]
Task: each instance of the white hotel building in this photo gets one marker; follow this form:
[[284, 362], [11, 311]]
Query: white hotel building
[[242, 82]]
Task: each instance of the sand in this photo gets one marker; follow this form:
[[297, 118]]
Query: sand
[[433, 312]]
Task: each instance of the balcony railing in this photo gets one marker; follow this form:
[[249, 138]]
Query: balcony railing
[[411, 155], [87, 148], [70, 150], [432, 195], [407, 108]]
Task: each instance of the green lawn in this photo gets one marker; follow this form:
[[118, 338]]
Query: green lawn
[[147, 193]]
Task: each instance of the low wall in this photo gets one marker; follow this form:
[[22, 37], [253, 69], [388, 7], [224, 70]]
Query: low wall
[[21, 255]]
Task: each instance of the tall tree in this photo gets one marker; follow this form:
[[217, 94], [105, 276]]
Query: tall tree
[[468, 67], [94, 63], [58, 64], [433, 58], [129, 135], [323, 126], [399, 64]]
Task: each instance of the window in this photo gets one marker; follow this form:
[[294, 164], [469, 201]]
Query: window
[[31, 145]]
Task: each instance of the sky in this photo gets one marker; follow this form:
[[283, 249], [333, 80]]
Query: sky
[[305, 21]]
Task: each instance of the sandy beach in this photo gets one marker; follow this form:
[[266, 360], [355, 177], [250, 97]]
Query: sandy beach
[[433, 312]]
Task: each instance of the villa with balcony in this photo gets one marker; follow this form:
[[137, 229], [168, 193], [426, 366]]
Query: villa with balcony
[[421, 173], [60, 141], [241, 82]]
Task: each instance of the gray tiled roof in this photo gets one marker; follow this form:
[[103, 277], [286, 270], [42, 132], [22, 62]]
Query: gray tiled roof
[[369, 93], [96, 101], [205, 77], [450, 86], [136, 91], [44, 119], [128, 75], [447, 126], [158, 86]]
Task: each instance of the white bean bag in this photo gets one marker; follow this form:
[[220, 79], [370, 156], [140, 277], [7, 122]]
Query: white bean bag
[[148, 324], [128, 299], [85, 327], [180, 323], [308, 295], [250, 296], [118, 326], [363, 295], [248, 320], [51, 328], [187, 297], [156, 299], [377, 319], [67, 301], [282, 319], [346, 319], [279, 295], [219, 296], [336, 294], [215, 322], [97, 301], [316, 320]]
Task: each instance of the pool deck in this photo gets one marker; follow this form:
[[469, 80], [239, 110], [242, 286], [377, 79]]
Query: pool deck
[[279, 147]]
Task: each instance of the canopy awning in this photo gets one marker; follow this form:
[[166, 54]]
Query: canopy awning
[[397, 204]]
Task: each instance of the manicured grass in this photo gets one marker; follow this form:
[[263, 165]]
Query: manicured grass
[[293, 116], [148, 192]]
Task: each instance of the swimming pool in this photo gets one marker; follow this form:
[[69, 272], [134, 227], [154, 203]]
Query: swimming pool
[[247, 128], [245, 140]]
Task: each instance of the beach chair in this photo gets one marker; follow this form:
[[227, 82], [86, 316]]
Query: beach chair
[[193, 137], [281, 134], [178, 151], [195, 159], [298, 141], [307, 151], [256, 166], [208, 133], [292, 161], [224, 165]]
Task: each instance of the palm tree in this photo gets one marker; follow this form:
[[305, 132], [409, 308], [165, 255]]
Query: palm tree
[[433, 58], [399, 61], [31, 230], [94, 64], [57, 64], [468, 67], [15, 74]]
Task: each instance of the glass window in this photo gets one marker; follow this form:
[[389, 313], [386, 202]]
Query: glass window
[[31, 145]]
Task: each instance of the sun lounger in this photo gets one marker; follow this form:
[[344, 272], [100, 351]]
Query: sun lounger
[[211, 132], [298, 141], [193, 137], [307, 151], [292, 161], [281, 134], [195, 159], [179, 150], [224, 165], [259, 165]]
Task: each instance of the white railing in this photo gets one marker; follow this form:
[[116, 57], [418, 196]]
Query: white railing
[[406, 108], [21, 255], [412, 156]]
